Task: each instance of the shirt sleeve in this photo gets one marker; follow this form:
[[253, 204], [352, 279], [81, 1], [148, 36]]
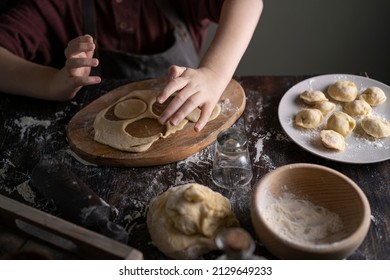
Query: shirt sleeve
[[198, 14], [40, 30]]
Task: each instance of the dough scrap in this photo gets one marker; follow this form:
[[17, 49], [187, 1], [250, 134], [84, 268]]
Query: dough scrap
[[341, 123], [376, 127], [135, 106], [311, 97], [357, 108], [332, 140], [344, 91], [184, 221], [374, 96], [309, 118]]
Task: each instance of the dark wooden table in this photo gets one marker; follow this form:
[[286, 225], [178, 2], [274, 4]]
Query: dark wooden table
[[29, 125]]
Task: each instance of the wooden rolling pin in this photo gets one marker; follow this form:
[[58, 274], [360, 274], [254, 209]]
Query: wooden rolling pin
[[75, 200]]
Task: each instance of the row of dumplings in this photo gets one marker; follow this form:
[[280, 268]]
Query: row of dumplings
[[341, 123]]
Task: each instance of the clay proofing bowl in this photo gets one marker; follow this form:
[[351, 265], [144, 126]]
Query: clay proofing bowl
[[321, 186]]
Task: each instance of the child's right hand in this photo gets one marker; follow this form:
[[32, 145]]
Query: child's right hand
[[75, 74]]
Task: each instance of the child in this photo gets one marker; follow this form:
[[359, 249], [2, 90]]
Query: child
[[34, 35]]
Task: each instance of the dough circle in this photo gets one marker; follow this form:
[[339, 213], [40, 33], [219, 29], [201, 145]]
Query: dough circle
[[130, 108], [184, 221]]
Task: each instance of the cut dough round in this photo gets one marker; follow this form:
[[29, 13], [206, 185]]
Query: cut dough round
[[312, 97], [357, 108], [184, 221], [376, 127], [332, 140], [373, 96], [309, 118], [341, 123], [130, 108], [326, 107], [344, 91]]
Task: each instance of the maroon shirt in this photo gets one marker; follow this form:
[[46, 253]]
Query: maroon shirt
[[39, 30]]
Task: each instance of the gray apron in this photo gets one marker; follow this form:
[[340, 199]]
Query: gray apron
[[119, 64]]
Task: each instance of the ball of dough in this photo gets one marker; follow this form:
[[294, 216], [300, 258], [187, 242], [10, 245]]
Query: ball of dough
[[357, 108], [332, 140], [341, 123], [184, 221], [344, 91], [312, 97], [376, 127], [309, 118], [373, 96]]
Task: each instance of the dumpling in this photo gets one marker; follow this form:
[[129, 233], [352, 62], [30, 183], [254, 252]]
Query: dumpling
[[309, 118], [344, 91], [357, 108], [376, 127], [312, 97], [373, 96], [325, 107], [332, 140], [341, 123]]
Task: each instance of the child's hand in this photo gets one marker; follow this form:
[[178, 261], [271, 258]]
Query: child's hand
[[200, 88], [75, 74]]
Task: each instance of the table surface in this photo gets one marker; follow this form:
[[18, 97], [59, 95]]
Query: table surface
[[29, 125]]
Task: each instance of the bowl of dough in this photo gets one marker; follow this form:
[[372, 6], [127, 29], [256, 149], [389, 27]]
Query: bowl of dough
[[309, 211]]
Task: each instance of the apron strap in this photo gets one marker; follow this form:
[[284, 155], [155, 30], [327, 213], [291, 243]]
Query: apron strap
[[178, 23], [89, 18], [89, 15]]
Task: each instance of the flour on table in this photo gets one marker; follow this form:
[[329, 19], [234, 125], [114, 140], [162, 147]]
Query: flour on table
[[260, 155], [193, 163], [260, 145], [255, 112], [227, 106], [27, 122], [26, 192], [4, 169]]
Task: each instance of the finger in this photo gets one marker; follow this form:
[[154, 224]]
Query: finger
[[82, 62], [179, 108], [205, 114], [76, 50], [80, 45], [176, 71], [79, 81], [172, 86]]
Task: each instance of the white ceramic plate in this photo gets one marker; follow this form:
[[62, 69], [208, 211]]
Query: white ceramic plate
[[360, 148]]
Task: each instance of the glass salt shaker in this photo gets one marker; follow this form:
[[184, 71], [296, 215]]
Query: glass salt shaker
[[232, 167], [237, 245]]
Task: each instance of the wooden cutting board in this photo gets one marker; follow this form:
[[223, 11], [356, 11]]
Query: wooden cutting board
[[176, 147]]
